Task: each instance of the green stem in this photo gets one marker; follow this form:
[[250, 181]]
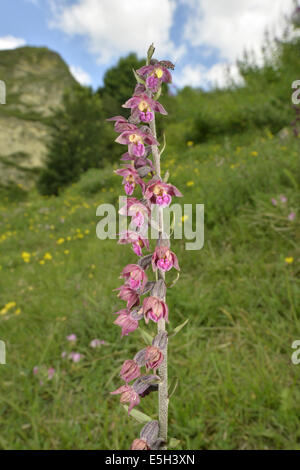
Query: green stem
[[163, 400]]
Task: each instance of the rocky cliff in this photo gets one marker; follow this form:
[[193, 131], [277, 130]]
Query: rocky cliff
[[35, 80]]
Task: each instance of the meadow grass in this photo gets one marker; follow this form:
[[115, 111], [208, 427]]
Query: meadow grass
[[238, 388]]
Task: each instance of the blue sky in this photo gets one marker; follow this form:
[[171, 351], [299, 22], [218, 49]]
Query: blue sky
[[200, 36]]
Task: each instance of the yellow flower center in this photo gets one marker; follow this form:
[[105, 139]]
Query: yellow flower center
[[135, 139], [158, 190], [144, 107], [130, 179], [159, 72]]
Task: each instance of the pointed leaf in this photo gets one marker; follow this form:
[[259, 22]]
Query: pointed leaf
[[179, 327], [146, 336], [173, 386], [173, 443], [138, 415], [139, 79], [172, 284]]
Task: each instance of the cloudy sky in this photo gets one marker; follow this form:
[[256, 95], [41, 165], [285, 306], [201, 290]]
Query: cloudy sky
[[200, 36]]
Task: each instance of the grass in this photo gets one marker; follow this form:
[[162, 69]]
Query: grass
[[238, 388]]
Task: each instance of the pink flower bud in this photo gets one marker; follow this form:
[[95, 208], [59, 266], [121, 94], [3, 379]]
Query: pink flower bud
[[135, 276], [128, 395], [130, 371], [139, 444], [153, 357], [126, 322], [154, 309], [129, 295]]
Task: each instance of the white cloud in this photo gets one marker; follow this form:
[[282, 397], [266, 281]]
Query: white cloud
[[228, 28], [220, 75], [10, 42], [231, 26], [116, 27], [80, 75]]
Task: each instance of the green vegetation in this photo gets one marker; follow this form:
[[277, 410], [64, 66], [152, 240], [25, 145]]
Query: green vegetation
[[238, 388], [80, 140]]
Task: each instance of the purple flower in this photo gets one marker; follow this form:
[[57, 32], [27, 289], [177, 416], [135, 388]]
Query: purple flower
[[135, 276], [158, 71], [51, 373], [130, 179], [149, 439], [144, 107], [130, 371], [291, 216], [161, 193], [138, 212], [137, 241], [154, 309], [164, 259], [126, 322], [95, 343], [75, 357], [35, 370], [122, 124], [129, 295], [136, 140], [283, 199], [274, 201], [128, 395], [153, 357], [72, 338]]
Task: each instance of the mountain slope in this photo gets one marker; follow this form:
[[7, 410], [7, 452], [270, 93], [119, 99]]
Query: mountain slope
[[35, 79]]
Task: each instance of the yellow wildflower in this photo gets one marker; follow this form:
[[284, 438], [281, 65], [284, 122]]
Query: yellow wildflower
[[18, 311], [42, 261], [254, 153], [47, 256], [10, 305], [190, 183], [26, 256], [66, 252], [60, 241], [190, 143], [289, 260]]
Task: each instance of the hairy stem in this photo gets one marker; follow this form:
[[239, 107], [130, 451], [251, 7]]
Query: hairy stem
[[163, 400]]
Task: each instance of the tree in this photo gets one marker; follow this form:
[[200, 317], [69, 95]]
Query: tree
[[81, 139], [118, 83]]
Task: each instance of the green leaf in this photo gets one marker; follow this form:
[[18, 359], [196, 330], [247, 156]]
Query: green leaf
[[179, 327], [172, 284], [173, 386], [146, 336], [173, 443], [157, 94], [138, 415], [139, 79], [291, 178], [164, 144]]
